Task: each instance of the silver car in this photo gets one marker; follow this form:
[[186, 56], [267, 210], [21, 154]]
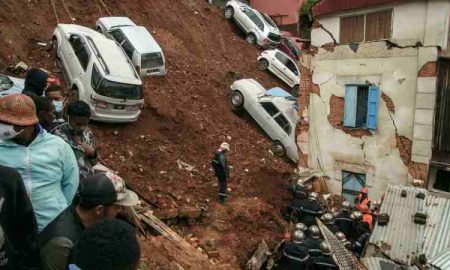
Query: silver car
[[275, 110], [259, 27]]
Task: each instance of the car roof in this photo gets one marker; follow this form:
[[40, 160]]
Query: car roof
[[117, 62], [110, 22], [141, 39], [78, 29]]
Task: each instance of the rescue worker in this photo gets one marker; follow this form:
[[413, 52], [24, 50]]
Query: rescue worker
[[312, 243], [362, 199], [302, 227], [341, 237], [343, 220], [328, 220], [360, 243], [221, 170], [367, 216], [324, 261], [298, 190], [295, 254], [310, 209], [299, 194], [358, 226]]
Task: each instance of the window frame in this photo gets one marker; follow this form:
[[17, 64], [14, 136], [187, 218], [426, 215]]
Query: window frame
[[351, 106], [117, 30], [84, 65], [288, 124], [284, 62], [125, 50], [271, 103], [365, 24]]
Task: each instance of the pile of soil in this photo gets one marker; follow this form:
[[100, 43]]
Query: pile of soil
[[186, 116]]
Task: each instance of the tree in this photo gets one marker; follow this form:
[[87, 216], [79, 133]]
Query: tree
[[305, 20]]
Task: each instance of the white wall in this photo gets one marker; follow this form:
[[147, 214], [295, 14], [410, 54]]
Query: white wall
[[415, 21], [377, 155]]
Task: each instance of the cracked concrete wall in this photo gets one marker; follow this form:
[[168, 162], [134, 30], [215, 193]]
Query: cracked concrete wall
[[413, 21], [377, 155]]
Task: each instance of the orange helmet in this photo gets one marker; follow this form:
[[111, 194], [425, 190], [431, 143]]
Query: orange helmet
[[364, 190]]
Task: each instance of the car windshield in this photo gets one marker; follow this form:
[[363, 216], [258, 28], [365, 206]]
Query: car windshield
[[292, 47], [268, 19], [119, 90], [151, 60], [274, 37], [5, 83]]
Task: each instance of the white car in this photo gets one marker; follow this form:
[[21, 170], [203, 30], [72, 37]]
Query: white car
[[258, 27], [275, 110], [10, 85], [282, 66], [137, 42], [99, 73]]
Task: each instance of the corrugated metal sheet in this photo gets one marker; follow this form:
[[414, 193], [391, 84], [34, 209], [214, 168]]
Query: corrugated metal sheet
[[377, 263], [442, 260], [401, 239], [333, 6]]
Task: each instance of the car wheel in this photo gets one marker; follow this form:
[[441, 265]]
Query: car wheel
[[237, 100], [229, 12], [278, 149], [74, 94], [251, 38], [295, 90], [263, 64], [99, 29]]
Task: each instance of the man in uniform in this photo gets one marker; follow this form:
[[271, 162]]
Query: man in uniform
[[295, 254], [343, 220], [324, 261], [310, 209], [220, 166]]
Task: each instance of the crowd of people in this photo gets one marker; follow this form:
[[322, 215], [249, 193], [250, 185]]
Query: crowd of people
[[305, 248], [58, 212]]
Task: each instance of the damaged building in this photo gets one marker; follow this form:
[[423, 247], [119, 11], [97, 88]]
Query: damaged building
[[374, 80]]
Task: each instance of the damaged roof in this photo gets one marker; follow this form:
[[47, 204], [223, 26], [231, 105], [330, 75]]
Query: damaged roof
[[442, 260], [326, 7], [377, 263], [401, 240]]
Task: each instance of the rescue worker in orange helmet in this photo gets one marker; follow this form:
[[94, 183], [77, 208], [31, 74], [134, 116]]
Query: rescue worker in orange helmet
[[367, 216], [362, 199]]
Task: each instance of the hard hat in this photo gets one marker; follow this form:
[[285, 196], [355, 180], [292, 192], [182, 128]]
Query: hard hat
[[300, 226], [325, 248], [313, 196], [328, 218], [345, 206], [341, 236], [300, 183], [364, 190], [376, 203], [225, 146], [298, 236], [356, 215], [314, 231]]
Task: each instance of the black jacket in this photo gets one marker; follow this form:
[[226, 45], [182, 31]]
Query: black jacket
[[220, 165], [345, 223], [296, 256], [313, 246], [309, 211], [35, 82], [18, 222], [324, 262]]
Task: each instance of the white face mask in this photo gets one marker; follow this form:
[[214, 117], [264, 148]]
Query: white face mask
[[8, 132]]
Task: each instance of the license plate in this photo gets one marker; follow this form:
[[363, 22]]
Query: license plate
[[119, 107]]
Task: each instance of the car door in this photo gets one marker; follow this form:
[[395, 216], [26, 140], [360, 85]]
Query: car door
[[68, 48], [81, 55], [264, 116], [117, 35], [247, 21], [292, 72], [279, 67], [282, 129]]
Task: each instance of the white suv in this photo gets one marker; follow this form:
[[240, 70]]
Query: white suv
[[257, 26], [99, 73]]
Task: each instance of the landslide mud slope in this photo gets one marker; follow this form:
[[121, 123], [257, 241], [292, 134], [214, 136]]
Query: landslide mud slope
[[186, 116]]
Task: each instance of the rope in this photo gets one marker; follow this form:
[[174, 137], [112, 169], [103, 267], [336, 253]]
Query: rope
[[104, 5], [67, 10], [99, 8], [54, 11]]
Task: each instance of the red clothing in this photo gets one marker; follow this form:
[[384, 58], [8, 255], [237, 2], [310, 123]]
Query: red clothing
[[367, 218], [362, 204]]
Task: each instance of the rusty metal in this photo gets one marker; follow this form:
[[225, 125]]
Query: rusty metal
[[325, 7]]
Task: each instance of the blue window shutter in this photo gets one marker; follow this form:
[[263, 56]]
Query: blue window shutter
[[351, 93], [372, 107]]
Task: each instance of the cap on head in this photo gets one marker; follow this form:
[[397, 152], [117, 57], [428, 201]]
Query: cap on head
[[328, 218], [18, 109], [364, 190], [325, 248], [345, 205], [106, 188], [356, 215], [300, 226], [313, 196], [225, 146], [314, 231], [298, 236], [341, 236]]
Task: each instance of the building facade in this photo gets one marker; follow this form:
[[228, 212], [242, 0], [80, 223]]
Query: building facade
[[372, 85]]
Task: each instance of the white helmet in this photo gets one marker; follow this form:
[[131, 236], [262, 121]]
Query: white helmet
[[325, 248], [300, 226], [298, 236], [314, 231], [225, 146], [313, 196]]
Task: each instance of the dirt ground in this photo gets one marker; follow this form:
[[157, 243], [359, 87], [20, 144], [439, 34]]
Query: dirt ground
[[186, 116]]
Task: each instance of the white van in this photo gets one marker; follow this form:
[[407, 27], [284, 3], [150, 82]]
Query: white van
[[140, 46]]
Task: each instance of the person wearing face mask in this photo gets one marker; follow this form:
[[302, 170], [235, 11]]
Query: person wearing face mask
[[45, 111], [78, 135], [55, 93], [46, 163]]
